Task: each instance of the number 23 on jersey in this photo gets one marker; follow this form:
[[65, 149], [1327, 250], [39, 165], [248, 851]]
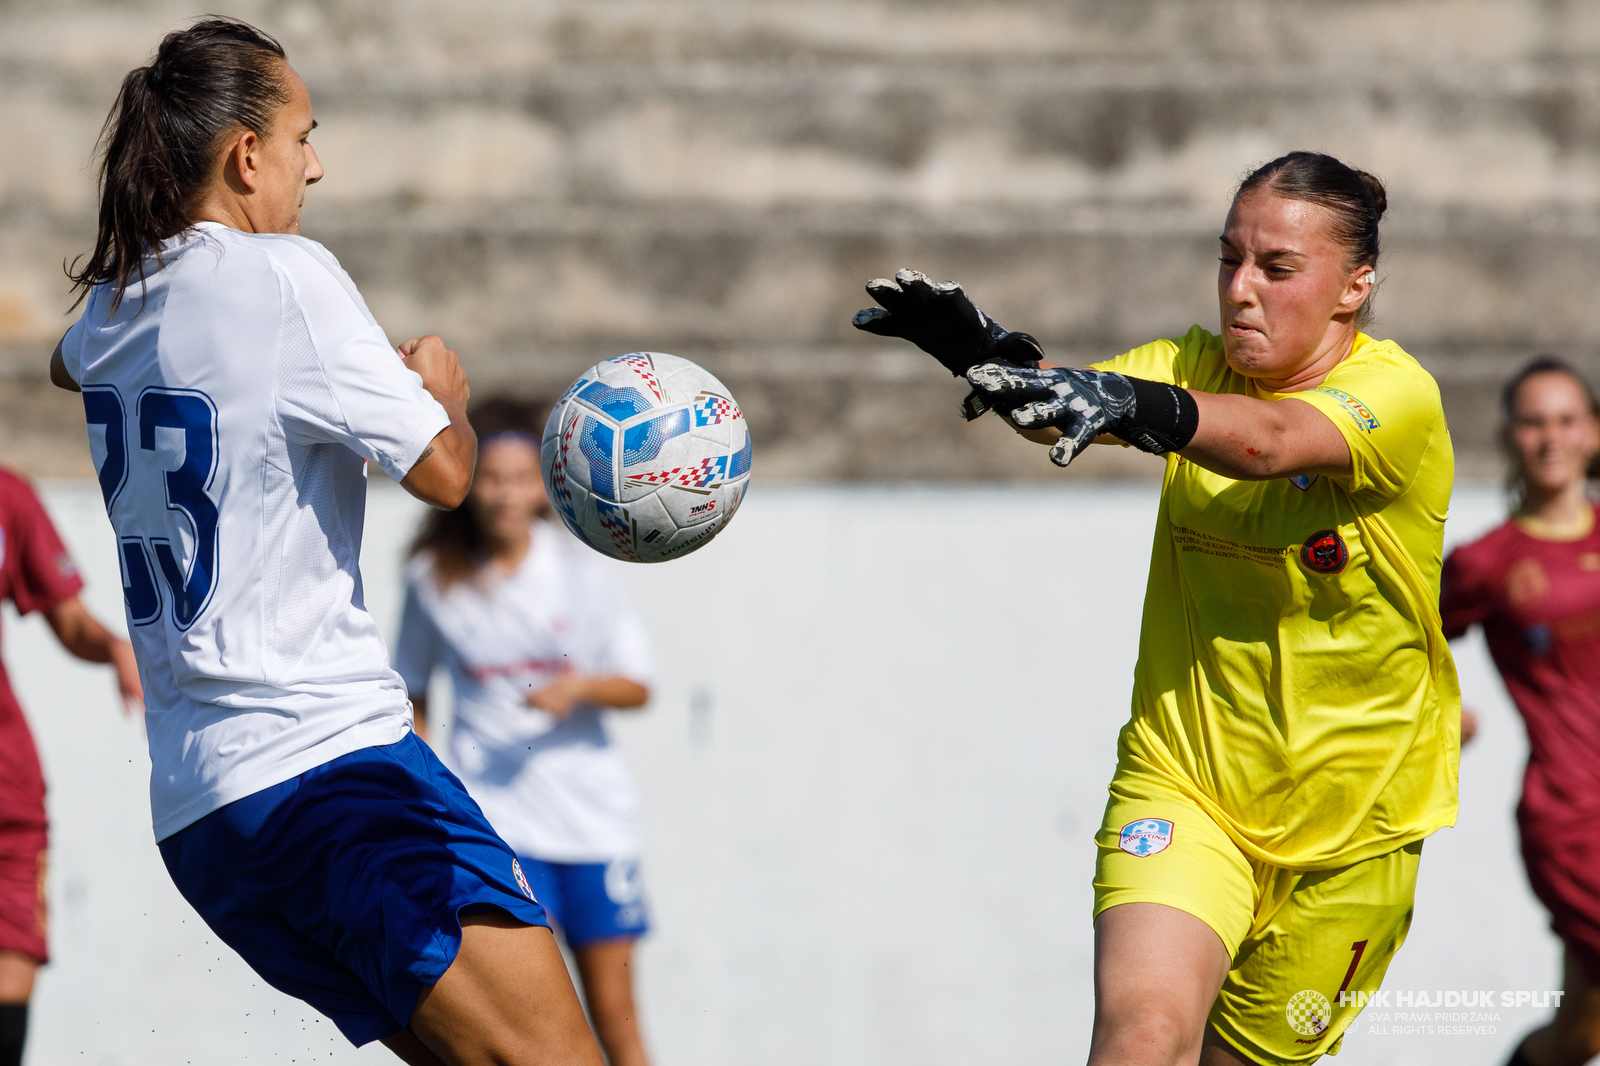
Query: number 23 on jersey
[[154, 476]]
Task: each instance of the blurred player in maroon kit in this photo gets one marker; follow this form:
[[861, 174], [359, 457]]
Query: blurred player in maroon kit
[[37, 574], [1534, 586]]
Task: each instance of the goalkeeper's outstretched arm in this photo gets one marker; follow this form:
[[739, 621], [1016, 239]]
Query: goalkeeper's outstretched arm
[[1236, 436], [1070, 408]]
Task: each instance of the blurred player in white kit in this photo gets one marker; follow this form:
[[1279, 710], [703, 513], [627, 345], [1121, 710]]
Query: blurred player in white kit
[[234, 384], [539, 641]]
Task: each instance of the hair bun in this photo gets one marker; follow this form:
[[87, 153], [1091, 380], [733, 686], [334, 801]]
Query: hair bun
[[1375, 189]]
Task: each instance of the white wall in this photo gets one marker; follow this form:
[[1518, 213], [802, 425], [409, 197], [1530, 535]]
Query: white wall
[[879, 746]]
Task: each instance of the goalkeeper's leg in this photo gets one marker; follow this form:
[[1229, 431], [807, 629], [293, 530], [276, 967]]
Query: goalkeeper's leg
[[1157, 971]]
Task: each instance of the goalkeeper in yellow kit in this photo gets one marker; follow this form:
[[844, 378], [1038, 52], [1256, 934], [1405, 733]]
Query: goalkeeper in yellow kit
[[1295, 725]]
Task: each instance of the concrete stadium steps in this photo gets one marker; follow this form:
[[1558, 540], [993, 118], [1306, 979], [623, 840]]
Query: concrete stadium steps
[[528, 33], [534, 297], [548, 183], [927, 134]]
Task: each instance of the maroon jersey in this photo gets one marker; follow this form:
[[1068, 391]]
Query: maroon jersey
[[36, 573], [1539, 604]]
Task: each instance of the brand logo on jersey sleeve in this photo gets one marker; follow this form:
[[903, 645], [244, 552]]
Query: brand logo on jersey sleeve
[[1324, 552], [1146, 837], [1354, 408]]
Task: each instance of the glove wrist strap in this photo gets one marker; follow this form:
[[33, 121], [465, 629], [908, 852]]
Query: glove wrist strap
[[1164, 418]]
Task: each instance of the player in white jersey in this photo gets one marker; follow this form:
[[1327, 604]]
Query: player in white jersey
[[538, 640], [234, 385]]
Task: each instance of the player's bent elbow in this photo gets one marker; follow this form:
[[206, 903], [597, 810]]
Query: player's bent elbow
[[443, 475], [450, 497], [1268, 468], [443, 484], [1249, 466], [1272, 455], [455, 494]]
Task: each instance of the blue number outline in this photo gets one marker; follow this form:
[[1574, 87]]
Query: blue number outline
[[141, 592], [186, 490], [186, 493], [114, 418], [102, 406]]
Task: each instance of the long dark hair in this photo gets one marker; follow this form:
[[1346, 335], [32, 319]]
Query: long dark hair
[[1356, 199], [1541, 364], [160, 142], [456, 539]]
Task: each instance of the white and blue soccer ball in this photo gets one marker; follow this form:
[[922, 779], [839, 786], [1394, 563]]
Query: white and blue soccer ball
[[646, 457]]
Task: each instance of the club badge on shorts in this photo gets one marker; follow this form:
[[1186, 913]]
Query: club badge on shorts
[[1324, 552], [1308, 1013], [1146, 837], [522, 882]]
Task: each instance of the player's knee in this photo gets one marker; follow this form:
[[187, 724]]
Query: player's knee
[[1146, 1034]]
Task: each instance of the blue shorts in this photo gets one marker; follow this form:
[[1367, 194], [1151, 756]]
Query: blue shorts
[[590, 901], [344, 887]]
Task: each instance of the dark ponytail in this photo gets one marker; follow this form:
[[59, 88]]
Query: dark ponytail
[[161, 139], [1356, 199]]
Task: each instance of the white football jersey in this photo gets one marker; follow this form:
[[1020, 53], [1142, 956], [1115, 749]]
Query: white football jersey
[[554, 790], [230, 408]]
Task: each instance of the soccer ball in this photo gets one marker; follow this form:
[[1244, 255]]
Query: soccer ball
[[646, 457]]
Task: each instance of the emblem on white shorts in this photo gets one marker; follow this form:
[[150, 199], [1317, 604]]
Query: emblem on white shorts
[[522, 882], [1308, 1013], [1146, 837]]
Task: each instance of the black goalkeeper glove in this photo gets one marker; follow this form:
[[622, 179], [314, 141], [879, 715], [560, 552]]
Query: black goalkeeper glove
[[939, 318], [1150, 415]]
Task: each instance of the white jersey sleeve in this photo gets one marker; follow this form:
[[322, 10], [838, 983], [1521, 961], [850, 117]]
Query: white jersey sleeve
[[341, 382]]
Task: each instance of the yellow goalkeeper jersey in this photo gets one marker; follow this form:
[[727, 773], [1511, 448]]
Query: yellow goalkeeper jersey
[[1293, 679]]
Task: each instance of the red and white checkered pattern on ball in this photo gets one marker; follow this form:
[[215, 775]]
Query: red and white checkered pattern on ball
[[708, 472], [642, 365], [711, 410]]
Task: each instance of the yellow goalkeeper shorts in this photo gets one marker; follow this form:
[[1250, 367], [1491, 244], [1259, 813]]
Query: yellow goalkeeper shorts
[[1297, 938]]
